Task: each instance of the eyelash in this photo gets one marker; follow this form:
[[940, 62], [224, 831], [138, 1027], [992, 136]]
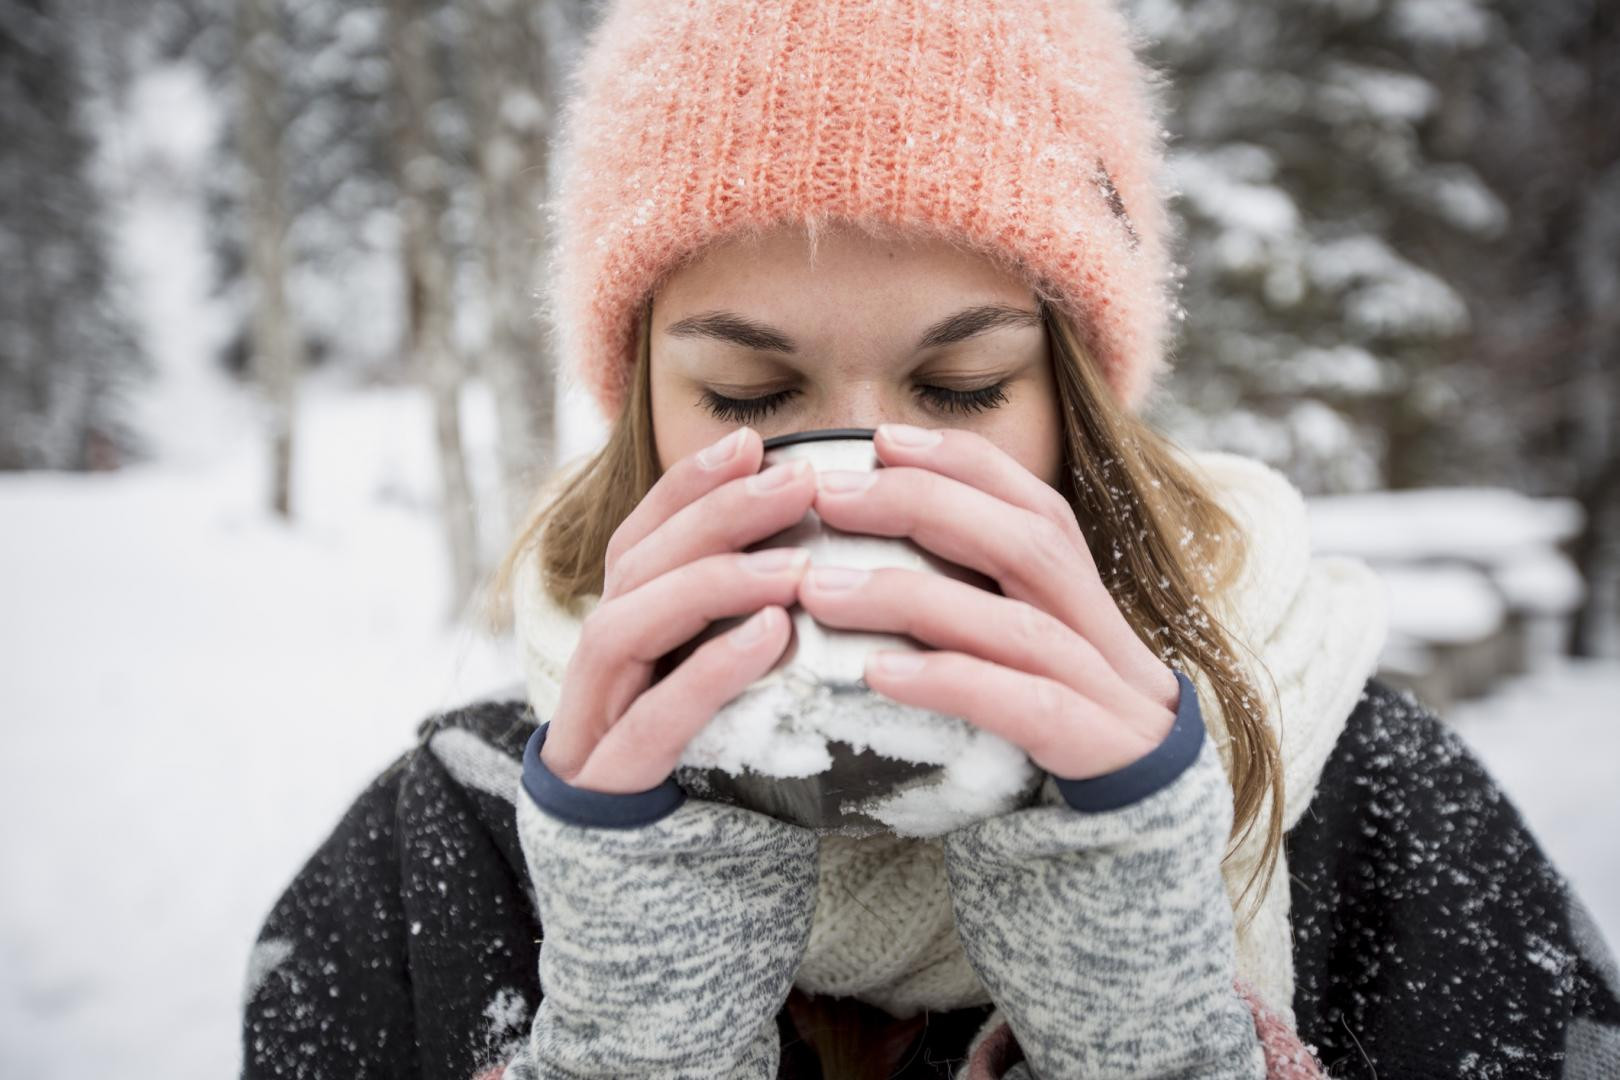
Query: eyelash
[[743, 410]]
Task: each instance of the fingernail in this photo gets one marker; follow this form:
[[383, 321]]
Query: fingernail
[[777, 476], [775, 560], [837, 577], [907, 435], [720, 452], [840, 481], [752, 630], [898, 663]]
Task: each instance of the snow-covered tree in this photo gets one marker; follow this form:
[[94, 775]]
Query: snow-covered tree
[[1402, 243], [1541, 122], [276, 345], [512, 83], [1318, 333], [68, 354]]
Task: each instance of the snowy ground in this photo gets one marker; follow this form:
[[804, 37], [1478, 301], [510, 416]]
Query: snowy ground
[[193, 693], [1552, 741]]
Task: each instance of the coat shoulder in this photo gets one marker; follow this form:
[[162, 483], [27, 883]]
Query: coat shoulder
[[1431, 930], [328, 991], [503, 720], [406, 944]]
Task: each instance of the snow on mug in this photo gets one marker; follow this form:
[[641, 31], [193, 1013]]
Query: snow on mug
[[809, 742]]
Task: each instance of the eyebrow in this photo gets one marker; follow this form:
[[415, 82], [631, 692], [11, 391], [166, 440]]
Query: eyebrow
[[752, 334]]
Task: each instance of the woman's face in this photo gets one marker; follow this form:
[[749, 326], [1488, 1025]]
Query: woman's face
[[914, 332]]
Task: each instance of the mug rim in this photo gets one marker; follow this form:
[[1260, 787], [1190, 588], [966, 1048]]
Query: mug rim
[[819, 435]]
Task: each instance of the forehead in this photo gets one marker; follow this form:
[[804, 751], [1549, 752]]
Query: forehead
[[844, 272]]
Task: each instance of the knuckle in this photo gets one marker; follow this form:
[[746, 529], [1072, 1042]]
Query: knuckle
[[616, 545], [698, 585], [729, 579], [702, 683], [903, 490], [1048, 700], [1050, 542], [926, 485], [625, 567], [1055, 507], [737, 516], [903, 595], [1031, 626], [597, 630], [614, 581], [1049, 706]]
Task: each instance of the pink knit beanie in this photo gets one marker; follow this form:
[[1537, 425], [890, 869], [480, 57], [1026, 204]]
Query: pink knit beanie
[[1027, 130]]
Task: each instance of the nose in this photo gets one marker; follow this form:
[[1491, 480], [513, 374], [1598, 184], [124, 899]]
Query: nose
[[860, 404]]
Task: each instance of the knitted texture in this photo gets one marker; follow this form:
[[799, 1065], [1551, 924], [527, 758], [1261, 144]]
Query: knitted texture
[[995, 1054], [869, 883], [670, 947], [1318, 623], [1029, 131], [1061, 911]]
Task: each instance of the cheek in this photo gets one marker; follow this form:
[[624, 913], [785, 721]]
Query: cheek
[[1031, 434], [672, 428], [680, 429]]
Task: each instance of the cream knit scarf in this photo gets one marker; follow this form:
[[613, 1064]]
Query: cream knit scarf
[[883, 929]]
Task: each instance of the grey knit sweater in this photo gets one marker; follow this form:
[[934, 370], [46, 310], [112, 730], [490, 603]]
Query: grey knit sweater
[[1097, 919]]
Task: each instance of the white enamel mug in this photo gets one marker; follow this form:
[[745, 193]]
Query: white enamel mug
[[809, 742]]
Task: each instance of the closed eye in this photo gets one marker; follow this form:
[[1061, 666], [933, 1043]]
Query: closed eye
[[940, 398]]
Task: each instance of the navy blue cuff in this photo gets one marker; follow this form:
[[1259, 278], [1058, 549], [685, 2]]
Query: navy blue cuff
[[1155, 771], [599, 809]]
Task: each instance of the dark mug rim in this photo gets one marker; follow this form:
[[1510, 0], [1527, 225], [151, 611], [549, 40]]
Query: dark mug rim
[[819, 435]]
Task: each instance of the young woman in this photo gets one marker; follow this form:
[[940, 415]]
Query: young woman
[[1250, 858]]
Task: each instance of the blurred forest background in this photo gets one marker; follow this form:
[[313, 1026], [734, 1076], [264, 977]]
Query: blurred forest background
[[1402, 233], [273, 390]]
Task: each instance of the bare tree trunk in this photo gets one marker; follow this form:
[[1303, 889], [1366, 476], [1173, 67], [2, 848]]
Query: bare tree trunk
[[1596, 456], [424, 198], [277, 348], [512, 78]]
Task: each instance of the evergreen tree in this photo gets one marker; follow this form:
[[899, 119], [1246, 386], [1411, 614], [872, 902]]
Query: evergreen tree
[[1318, 333], [68, 356]]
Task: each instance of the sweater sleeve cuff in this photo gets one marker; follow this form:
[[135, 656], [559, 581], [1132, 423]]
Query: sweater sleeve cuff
[[600, 809], [1153, 772]]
